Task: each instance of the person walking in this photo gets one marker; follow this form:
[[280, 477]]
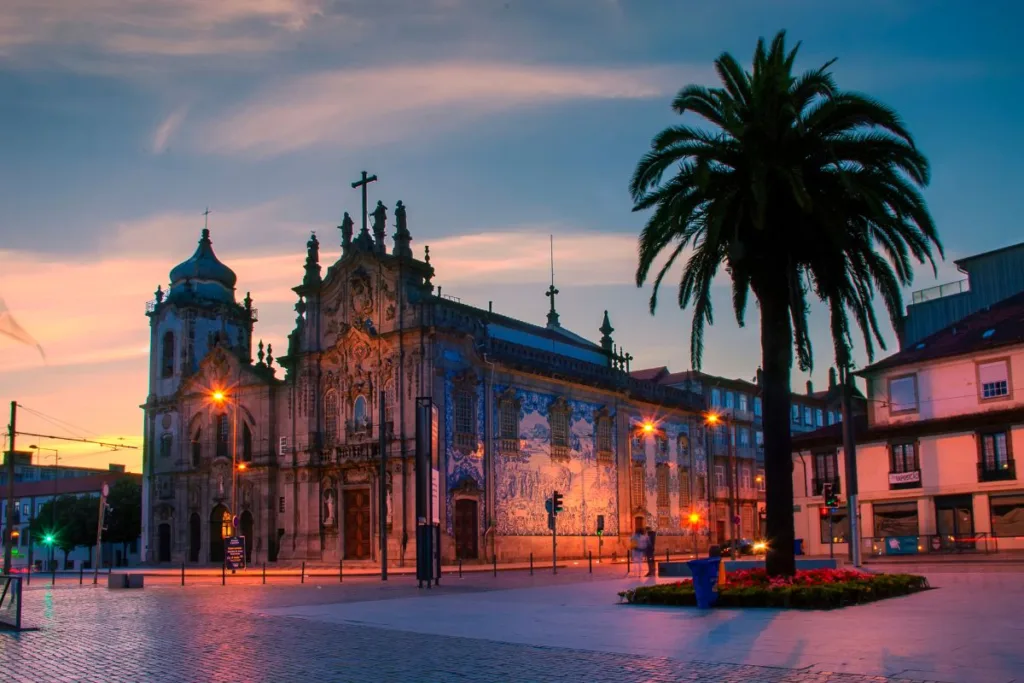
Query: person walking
[[649, 551], [638, 548]]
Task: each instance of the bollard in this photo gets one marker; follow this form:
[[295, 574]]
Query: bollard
[[460, 567], [615, 557], [28, 576], [302, 576], [182, 573], [223, 572], [341, 570], [264, 573], [531, 564], [81, 573], [53, 575], [629, 569], [666, 556], [495, 561], [590, 560]]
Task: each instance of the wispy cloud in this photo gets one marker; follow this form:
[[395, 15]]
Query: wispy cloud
[[167, 128], [379, 105], [160, 27]]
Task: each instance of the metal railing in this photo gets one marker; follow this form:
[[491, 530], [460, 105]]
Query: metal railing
[[930, 544], [939, 291], [817, 484], [1000, 471]]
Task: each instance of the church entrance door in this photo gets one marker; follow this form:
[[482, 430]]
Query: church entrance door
[[357, 524], [164, 546], [195, 527], [218, 518], [246, 523], [465, 524]]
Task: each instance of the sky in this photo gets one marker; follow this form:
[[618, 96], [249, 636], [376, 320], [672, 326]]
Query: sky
[[496, 123]]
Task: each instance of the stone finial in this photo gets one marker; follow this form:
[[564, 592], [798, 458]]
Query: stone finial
[[270, 355], [158, 294], [312, 276], [259, 354], [380, 217], [831, 378], [427, 284], [346, 227], [606, 333], [402, 237], [247, 302]]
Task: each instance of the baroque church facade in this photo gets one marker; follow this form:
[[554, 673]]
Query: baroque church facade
[[289, 448]]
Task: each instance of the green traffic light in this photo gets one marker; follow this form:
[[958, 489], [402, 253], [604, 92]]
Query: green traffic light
[[48, 539]]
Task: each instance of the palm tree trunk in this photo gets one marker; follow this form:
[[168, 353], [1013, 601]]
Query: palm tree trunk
[[777, 363]]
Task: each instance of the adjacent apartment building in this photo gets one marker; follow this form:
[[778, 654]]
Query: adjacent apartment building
[[738, 437], [935, 451], [35, 484]]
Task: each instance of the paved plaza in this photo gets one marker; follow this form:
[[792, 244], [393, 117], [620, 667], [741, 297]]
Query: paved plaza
[[513, 627]]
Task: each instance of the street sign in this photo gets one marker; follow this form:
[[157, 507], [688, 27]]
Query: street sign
[[106, 490], [234, 552]]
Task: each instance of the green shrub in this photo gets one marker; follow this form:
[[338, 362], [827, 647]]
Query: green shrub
[[828, 589]]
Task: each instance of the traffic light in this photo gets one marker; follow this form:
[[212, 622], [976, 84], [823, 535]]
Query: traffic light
[[15, 535], [600, 525], [48, 539], [831, 499], [556, 502]]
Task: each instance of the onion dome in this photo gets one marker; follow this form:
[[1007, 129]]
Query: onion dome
[[203, 274]]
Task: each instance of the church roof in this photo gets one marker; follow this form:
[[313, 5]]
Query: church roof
[[204, 266]]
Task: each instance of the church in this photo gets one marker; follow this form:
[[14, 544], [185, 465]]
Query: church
[[286, 449]]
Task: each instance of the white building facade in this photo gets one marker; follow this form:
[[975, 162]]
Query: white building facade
[[935, 456]]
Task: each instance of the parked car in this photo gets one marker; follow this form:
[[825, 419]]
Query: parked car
[[745, 546]]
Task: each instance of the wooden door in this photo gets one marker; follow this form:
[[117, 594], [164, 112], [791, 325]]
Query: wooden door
[[465, 523], [357, 524]]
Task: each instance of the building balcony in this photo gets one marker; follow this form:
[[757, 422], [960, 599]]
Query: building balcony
[[1000, 471], [818, 484], [905, 480]]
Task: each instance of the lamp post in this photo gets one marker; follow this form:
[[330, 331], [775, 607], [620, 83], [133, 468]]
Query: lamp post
[[220, 397], [53, 501], [711, 420]]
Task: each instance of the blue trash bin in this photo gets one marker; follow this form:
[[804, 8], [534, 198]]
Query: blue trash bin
[[705, 580], [798, 546]]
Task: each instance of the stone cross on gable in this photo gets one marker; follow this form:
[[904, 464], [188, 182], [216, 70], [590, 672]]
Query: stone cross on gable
[[363, 181], [552, 315]]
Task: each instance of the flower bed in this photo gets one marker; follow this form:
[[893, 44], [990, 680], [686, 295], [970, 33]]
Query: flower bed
[[809, 589]]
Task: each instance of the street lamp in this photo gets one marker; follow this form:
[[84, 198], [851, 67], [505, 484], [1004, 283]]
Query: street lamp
[[53, 501], [221, 398], [712, 419]]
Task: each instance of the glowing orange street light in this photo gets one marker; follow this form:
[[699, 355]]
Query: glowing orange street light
[[712, 418], [219, 396], [241, 467], [648, 426], [694, 518]]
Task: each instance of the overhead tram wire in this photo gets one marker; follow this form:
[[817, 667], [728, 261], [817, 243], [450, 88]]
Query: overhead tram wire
[[57, 422]]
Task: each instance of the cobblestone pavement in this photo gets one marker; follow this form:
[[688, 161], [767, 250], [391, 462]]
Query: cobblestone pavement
[[216, 634]]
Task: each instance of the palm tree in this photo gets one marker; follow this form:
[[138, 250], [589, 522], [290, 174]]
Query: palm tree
[[797, 188]]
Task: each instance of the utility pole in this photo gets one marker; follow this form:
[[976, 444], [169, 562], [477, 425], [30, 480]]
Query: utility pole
[[9, 523], [730, 432], [104, 492], [383, 495], [850, 461]]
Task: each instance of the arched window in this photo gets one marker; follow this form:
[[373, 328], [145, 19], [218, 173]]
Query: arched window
[[197, 447], [167, 355], [166, 445], [508, 421], [331, 418], [223, 436], [359, 412], [246, 442]]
